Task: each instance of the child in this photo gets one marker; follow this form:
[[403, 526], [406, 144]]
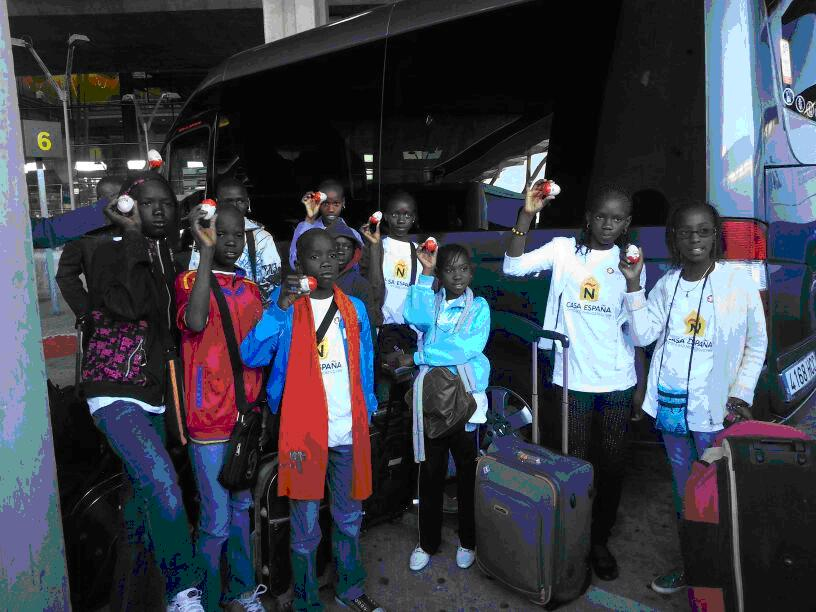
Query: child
[[211, 400], [449, 341], [325, 395], [261, 263], [320, 215], [709, 324], [350, 281], [391, 267], [131, 308], [585, 302]]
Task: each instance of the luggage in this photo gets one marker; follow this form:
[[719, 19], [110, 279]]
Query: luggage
[[270, 536], [749, 525], [533, 511], [392, 465]]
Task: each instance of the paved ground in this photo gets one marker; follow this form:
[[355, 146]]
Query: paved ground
[[644, 541]]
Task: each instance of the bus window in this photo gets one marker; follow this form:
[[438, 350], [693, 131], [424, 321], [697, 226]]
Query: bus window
[[188, 162], [285, 130]]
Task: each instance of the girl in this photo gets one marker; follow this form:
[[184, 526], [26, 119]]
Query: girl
[[131, 314], [709, 324], [586, 303], [391, 268], [454, 326], [212, 398]]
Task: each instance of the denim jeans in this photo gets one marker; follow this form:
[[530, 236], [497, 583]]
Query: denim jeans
[[347, 516], [137, 437], [224, 519], [682, 452]]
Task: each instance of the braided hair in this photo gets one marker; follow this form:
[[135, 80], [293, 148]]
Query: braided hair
[[608, 192]]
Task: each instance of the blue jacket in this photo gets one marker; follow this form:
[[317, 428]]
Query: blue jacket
[[446, 348], [271, 338]]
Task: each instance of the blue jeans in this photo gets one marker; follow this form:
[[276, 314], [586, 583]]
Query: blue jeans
[[137, 437], [682, 452], [347, 516], [224, 519]]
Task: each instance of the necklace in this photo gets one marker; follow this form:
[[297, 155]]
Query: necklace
[[697, 284]]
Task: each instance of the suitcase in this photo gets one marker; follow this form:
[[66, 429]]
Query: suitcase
[[533, 511], [749, 524], [392, 465], [270, 536]]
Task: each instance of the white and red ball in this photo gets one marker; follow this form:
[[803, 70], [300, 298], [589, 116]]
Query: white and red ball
[[125, 204], [208, 206], [632, 254], [154, 159], [430, 245], [549, 188], [318, 197]]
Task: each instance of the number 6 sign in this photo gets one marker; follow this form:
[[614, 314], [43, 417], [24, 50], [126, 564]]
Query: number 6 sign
[[43, 139]]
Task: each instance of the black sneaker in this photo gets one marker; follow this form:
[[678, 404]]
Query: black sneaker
[[362, 604]]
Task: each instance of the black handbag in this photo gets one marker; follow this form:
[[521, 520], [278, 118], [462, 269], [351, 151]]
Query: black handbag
[[446, 404], [240, 469]]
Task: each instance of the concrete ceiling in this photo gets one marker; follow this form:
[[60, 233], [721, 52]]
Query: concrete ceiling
[[166, 36]]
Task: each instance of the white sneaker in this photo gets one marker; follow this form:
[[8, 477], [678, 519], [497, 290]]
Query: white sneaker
[[419, 559], [186, 601], [249, 601], [465, 557]]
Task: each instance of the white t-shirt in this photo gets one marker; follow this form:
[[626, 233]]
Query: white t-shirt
[[331, 352], [601, 357], [397, 273], [675, 370]]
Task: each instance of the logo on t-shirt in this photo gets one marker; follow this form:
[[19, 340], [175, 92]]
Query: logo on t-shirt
[[323, 349], [401, 269], [695, 324], [590, 290]]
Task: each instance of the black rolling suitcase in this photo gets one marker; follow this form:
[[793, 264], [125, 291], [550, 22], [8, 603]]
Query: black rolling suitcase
[[270, 536]]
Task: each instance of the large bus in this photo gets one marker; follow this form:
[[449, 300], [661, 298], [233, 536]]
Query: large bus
[[465, 104]]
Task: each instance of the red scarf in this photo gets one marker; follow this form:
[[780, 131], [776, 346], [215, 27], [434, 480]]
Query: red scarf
[[304, 426]]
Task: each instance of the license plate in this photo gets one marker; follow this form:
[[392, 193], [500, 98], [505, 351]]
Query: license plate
[[799, 375]]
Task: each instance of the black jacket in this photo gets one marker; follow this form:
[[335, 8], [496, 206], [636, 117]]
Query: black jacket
[[132, 279], [76, 260]]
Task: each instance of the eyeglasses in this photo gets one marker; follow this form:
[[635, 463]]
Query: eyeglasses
[[703, 232]]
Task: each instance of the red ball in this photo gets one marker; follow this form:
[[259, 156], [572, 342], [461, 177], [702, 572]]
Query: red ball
[[312, 282]]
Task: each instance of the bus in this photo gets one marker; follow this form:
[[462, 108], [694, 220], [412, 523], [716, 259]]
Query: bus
[[465, 104]]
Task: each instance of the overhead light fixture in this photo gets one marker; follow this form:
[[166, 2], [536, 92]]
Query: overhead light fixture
[[32, 167], [90, 166], [368, 158], [195, 164], [136, 164]]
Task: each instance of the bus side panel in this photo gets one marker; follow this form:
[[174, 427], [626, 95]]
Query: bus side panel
[[791, 212]]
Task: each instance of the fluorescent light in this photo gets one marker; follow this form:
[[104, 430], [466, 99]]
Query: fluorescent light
[[195, 164], [136, 164], [90, 166], [32, 167], [368, 158]]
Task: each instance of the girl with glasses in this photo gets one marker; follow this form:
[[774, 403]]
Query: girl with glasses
[[709, 326]]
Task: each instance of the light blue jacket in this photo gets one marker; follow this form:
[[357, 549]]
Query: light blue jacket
[[444, 347], [271, 338]]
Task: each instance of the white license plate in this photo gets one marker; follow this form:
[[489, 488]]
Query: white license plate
[[799, 374]]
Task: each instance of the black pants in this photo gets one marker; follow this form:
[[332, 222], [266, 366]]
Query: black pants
[[432, 473], [598, 424]]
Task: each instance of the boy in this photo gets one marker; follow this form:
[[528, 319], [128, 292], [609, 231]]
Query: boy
[[323, 426], [320, 216], [209, 385], [350, 281], [259, 258]]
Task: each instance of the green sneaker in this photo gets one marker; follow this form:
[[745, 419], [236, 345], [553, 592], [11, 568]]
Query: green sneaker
[[670, 583]]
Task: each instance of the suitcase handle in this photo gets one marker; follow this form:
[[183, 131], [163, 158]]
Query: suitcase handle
[[530, 332]]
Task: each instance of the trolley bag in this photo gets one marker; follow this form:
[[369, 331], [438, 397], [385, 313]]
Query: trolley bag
[[749, 527], [270, 537], [533, 511], [392, 464]]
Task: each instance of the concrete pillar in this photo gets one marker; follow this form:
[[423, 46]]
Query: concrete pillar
[[32, 551], [283, 18]]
